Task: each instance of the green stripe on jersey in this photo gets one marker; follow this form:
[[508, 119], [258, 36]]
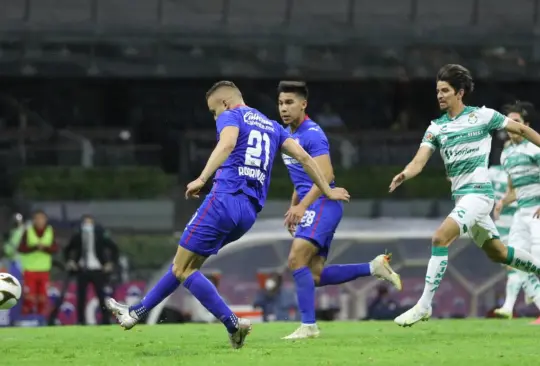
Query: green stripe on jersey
[[518, 160], [508, 211], [529, 201], [503, 231], [466, 166], [526, 180], [466, 136], [485, 189]]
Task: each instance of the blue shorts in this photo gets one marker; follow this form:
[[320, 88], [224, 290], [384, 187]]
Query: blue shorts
[[221, 219], [319, 224]]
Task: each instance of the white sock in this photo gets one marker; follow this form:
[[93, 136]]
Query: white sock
[[531, 286], [520, 259], [516, 279], [434, 275]]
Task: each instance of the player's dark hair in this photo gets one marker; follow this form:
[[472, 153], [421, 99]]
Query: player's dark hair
[[458, 77], [296, 87], [39, 212], [219, 85], [525, 109]]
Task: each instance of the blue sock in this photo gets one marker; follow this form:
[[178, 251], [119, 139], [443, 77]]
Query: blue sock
[[341, 273], [305, 293], [165, 286], [208, 296]]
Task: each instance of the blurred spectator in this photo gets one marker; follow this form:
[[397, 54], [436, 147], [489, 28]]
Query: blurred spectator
[[37, 248], [274, 301], [383, 307], [328, 119], [92, 255], [12, 239]]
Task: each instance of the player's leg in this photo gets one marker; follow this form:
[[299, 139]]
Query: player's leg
[[82, 286], [519, 237], [29, 293], [532, 284], [128, 317], [462, 217], [42, 296]]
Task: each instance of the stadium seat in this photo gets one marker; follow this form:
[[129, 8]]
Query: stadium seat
[[192, 14], [391, 13], [321, 14], [12, 11], [60, 12], [118, 13], [505, 15], [436, 14], [256, 15]]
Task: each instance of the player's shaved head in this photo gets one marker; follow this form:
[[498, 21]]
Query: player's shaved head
[[223, 87], [223, 96], [296, 87]]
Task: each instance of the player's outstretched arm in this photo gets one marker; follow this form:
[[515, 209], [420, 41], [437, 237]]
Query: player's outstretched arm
[[414, 168], [522, 130], [293, 149], [224, 148]]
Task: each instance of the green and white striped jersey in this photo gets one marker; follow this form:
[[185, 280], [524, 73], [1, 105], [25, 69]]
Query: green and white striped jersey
[[499, 178], [465, 145], [522, 163]]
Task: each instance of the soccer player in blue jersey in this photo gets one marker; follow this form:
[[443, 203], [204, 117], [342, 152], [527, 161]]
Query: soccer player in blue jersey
[[312, 218], [242, 161]]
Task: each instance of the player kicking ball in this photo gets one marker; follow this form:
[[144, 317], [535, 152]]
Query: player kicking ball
[[521, 163], [463, 135], [312, 218], [248, 143]]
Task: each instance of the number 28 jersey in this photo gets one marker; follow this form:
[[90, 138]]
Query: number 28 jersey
[[248, 167]]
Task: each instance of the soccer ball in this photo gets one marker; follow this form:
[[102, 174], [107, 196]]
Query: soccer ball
[[10, 291]]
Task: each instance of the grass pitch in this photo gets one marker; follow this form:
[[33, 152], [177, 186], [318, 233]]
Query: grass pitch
[[437, 342]]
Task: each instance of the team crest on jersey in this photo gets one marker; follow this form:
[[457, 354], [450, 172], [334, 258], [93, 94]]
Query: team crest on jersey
[[473, 118]]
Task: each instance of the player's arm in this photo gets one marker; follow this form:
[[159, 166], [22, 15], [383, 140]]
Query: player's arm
[[224, 148], [414, 168], [522, 130], [294, 198], [294, 150], [323, 161], [510, 195]]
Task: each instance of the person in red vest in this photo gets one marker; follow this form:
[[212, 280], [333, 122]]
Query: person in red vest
[[37, 247]]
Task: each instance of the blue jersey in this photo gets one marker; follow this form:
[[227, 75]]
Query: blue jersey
[[248, 167], [313, 139]]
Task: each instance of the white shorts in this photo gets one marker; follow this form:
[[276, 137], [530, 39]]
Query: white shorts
[[472, 213], [525, 231]]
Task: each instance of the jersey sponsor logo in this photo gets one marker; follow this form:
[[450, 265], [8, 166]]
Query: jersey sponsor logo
[[429, 137], [287, 160], [465, 151], [314, 129], [255, 119]]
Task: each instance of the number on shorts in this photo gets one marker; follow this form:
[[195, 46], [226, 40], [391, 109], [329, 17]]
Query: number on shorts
[[308, 218], [191, 220], [255, 149]]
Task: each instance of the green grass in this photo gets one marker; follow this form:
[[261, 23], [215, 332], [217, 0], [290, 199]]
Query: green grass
[[436, 343]]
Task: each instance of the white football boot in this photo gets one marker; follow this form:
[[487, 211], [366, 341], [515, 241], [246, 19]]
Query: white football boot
[[305, 331], [121, 312], [238, 338], [503, 313], [380, 268], [413, 316]]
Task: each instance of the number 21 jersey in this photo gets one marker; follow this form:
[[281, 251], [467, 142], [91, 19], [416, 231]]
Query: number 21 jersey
[[248, 167]]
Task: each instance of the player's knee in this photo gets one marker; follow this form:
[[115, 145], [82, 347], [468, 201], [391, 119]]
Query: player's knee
[[439, 239], [179, 272]]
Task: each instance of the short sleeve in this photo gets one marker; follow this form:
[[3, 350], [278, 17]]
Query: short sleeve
[[227, 118], [497, 120], [283, 134], [430, 138], [317, 143]]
